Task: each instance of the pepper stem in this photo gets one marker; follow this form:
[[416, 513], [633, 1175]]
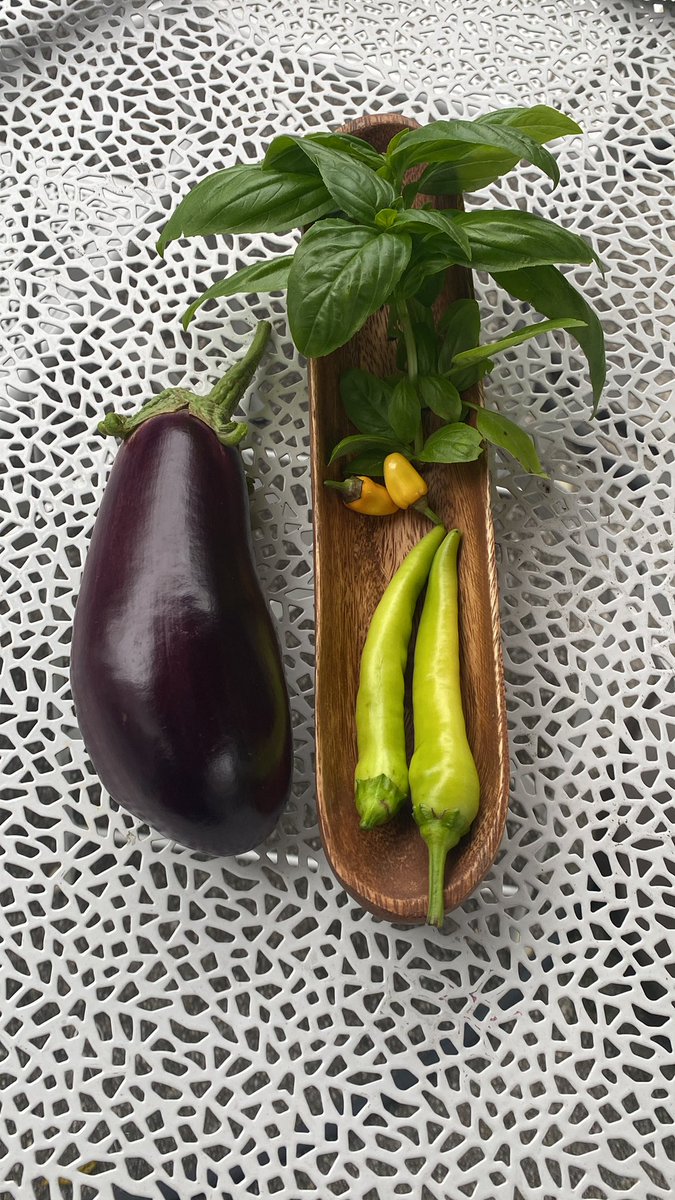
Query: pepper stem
[[424, 509], [439, 841]]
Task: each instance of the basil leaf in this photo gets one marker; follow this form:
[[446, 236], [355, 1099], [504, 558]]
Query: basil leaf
[[541, 121], [461, 325], [429, 290], [341, 273], [427, 258], [370, 463], [547, 290], [427, 348], [445, 141], [247, 200], [354, 187], [441, 396], [405, 413], [466, 357], [452, 443], [465, 377], [509, 436], [478, 167], [285, 153], [425, 221], [503, 239], [365, 399], [357, 443], [270, 275]]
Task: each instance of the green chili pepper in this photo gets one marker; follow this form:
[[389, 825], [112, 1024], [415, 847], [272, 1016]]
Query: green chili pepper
[[444, 781], [381, 776]]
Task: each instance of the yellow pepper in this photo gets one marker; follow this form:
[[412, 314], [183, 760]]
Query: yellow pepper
[[363, 495], [406, 486]]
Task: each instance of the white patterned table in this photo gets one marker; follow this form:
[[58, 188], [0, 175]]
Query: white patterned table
[[179, 1027]]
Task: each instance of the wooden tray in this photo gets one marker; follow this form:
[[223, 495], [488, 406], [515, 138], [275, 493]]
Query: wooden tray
[[355, 556]]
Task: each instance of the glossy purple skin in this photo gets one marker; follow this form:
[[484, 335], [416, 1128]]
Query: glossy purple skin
[[175, 668]]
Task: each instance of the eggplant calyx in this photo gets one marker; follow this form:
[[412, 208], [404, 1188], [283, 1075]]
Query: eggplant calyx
[[214, 409]]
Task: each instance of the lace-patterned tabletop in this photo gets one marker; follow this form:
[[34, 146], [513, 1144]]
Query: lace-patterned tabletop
[[177, 1027]]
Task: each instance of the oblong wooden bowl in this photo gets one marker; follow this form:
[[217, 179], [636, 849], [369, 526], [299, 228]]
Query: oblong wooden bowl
[[355, 556]]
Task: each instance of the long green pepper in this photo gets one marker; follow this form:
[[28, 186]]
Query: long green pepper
[[381, 777], [444, 782]]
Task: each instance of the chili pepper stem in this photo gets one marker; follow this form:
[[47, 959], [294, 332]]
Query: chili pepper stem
[[439, 842], [427, 512]]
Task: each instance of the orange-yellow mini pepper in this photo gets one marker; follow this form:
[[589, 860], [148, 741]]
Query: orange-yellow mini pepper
[[406, 486], [363, 495]]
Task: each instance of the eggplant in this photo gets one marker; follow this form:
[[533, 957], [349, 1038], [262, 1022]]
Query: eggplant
[[176, 671]]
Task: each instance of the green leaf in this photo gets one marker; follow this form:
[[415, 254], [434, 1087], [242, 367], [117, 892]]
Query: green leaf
[[446, 141], [247, 200], [460, 324], [465, 377], [452, 443], [285, 152], [541, 122], [509, 436], [370, 463], [427, 348], [426, 221], [428, 258], [429, 290], [480, 166], [405, 413], [341, 273], [365, 399], [268, 276], [355, 188], [550, 293], [466, 357], [506, 239], [441, 396], [358, 443]]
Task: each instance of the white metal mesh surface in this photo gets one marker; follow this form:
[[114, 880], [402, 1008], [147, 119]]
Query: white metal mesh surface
[[239, 1027]]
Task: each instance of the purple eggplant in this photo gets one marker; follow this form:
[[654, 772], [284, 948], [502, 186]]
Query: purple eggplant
[[175, 669]]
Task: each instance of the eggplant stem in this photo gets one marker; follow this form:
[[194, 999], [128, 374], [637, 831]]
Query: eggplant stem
[[226, 393]]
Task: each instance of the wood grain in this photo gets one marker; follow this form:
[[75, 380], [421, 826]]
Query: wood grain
[[355, 557]]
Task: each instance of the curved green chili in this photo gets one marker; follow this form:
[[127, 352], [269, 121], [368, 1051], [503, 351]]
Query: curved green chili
[[381, 777], [444, 781]]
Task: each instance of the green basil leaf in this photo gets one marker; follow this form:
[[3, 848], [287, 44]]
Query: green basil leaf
[[541, 122], [426, 221], [480, 166], [460, 324], [465, 377], [405, 412], [550, 293], [506, 239], [446, 141], [428, 258], [466, 357], [452, 443], [358, 443], [441, 396], [355, 188], [365, 399], [271, 275], [509, 436], [285, 152], [429, 290], [370, 463], [341, 273], [247, 200], [427, 348]]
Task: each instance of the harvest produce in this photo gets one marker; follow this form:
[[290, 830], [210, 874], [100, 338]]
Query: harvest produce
[[175, 668], [406, 486], [377, 240], [444, 781], [381, 778], [363, 495]]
